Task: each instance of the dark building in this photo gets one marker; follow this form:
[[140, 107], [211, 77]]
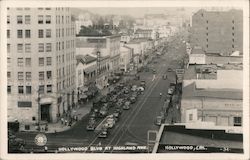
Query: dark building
[[218, 31]]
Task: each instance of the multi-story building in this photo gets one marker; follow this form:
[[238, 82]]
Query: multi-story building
[[83, 20], [125, 58], [41, 64], [107, 51], [107, 46], [218, 31]]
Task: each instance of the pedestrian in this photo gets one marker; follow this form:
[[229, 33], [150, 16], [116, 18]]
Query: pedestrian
[[45, 148], [62, 120], [66, 122]]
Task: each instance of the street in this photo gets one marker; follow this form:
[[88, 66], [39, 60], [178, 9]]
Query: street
[[134, 123]]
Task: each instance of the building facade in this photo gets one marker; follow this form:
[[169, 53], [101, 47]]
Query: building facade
[[223, 107], [218, 31], [125, 58], [41, 64]]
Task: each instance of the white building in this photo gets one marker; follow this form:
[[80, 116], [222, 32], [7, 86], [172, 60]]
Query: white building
[[125, 58], [83, 20], [41, 64]]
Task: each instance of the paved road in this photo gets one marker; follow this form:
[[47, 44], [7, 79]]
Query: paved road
[[134, 123]]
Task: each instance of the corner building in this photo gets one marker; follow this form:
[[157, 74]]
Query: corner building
[[41, 64]]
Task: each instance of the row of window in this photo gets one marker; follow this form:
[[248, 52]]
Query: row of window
[[21, 33], [65, 32], [21, 89], [28, 89], [61, 58], [41, 19], [62, 45], [69, 81], [232, 45], [232, 34], [20, 75], [47, 47], [20, 62], [26, 8], [42, 62]]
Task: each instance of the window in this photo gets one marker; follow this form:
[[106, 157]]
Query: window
[[8, 19], [49, 88], [41, 89], [27, 19], [8, 33], [232, 34], [207, 34], [27, 48], [40, 19], [48, 33], [207, 45], [48, 47], [8, 89], [28, 62], [40, 33], [8, 48], [20, 75], [8, 60], [190, 117], [19, 33], [20, 62], [48, 19], [233, 21], [8, 74], [41, 75], [233, 39], [232, 28], [49, 75], [20, 89], [41, 61], [33, 118], [25, 104], [28, 76], [19, 19], [232, 46], [207, 21], [40, 47], [28, 89], [207, 40], [237, 121], [207, 28], [49, 61], [19, 48], [27, 33], [48, 8]]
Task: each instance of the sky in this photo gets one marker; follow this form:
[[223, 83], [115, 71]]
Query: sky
[[140, 12]]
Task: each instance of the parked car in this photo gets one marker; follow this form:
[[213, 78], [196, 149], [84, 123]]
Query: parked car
[[91, 126], [103, 112], [170, 70], [116, 115], [143, 83], [170, 91], [159, 120], [132, 99], [104, 133]]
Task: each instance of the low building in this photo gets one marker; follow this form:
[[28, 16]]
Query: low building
[[221, 106], [199, 137], [86, 72], [143, 33]]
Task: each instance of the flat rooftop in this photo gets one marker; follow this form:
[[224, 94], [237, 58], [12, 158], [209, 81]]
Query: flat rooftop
[[212, 140]]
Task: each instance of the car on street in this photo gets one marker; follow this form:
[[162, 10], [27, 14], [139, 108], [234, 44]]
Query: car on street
[[116, 115], [118, 109], [132, 99], [159, 120], [103, 111], [133, 88], [110, 121], [170, 70], [104, 133], [91, 126], [126, 105], [170, 90], [143, 83], [154, 71], [164, 77]]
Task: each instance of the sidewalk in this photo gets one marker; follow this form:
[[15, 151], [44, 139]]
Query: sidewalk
[[80, 112]]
